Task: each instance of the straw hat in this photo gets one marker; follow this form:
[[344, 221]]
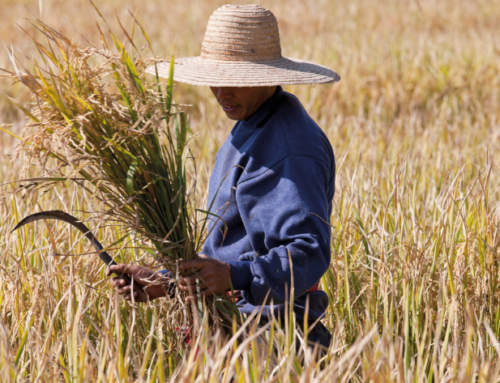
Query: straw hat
[[242, 49]]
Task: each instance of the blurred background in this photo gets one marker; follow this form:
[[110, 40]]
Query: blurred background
[[416, 74]]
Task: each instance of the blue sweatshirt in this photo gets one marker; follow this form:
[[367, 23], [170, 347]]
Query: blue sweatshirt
[[272, 188]]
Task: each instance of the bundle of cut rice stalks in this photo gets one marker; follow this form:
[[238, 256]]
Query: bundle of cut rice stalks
[[112, 132]]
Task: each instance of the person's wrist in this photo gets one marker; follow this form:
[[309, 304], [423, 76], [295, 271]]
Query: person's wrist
[[241, 275], [155, 289]]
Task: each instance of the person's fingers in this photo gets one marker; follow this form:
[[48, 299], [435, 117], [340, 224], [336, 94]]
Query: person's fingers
[[192, 264], [190, 282], [193, 287], [204, 273], [142, 279], [191, 299], [135, 286], [133, 271], [127, 297], [118, 282], [206, 289], [207, 279], [186, 281], [124, 290], [138, 295], [141, 296], [118, 268], [194, 297], [141, 275], [207, 292]]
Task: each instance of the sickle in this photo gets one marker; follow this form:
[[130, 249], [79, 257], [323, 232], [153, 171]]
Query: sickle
[[65, 217]]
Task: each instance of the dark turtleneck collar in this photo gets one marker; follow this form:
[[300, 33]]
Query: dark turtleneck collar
[[265, 111]]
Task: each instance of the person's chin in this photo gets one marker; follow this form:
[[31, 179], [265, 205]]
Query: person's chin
[[233, 115]]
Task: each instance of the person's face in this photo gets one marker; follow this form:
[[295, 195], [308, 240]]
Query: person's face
[[241, 103]]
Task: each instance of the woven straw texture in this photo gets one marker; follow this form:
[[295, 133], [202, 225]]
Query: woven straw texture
[[242, 48]]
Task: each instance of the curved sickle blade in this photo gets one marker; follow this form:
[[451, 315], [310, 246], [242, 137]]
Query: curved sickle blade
[[68, 218]]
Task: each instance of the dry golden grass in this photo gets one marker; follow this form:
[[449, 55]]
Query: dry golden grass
[[415, 269]]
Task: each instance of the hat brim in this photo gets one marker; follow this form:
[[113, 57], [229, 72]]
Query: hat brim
[[208, 72]]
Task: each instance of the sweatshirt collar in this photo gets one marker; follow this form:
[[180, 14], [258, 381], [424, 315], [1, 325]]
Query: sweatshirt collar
[[265, 111]]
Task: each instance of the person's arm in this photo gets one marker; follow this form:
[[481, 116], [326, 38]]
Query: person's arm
[[288, 208]]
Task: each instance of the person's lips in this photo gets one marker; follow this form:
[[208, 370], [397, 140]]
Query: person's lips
[[228, 108]]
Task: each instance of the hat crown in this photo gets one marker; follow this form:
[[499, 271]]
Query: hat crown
[[242, 33]]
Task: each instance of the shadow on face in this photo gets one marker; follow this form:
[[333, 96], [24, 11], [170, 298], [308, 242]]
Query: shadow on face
[[241, 103]]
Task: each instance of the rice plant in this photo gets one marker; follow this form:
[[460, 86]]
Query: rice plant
[[97, 116]]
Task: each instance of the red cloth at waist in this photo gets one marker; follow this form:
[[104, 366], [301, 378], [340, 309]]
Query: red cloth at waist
[[314, 288]]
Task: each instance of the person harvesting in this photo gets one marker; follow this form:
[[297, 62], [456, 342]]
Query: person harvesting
[[272, 186]]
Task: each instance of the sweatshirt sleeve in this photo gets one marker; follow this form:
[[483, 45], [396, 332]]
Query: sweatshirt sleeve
[[286, 212]]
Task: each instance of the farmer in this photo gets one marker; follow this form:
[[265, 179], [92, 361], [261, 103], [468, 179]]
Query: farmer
[[273, 181]]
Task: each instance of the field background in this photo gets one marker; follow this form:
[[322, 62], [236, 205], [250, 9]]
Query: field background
[[415, 270]]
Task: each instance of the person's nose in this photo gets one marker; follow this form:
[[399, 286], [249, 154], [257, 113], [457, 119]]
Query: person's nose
[[222, 93]]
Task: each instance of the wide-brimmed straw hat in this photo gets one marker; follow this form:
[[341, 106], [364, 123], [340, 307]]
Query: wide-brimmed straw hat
[[242, 49]]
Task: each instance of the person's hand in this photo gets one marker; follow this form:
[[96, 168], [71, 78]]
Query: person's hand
[[148, 285], [214, 277]]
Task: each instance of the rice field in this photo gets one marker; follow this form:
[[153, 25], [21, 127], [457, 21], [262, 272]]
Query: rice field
[[415, 271]]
